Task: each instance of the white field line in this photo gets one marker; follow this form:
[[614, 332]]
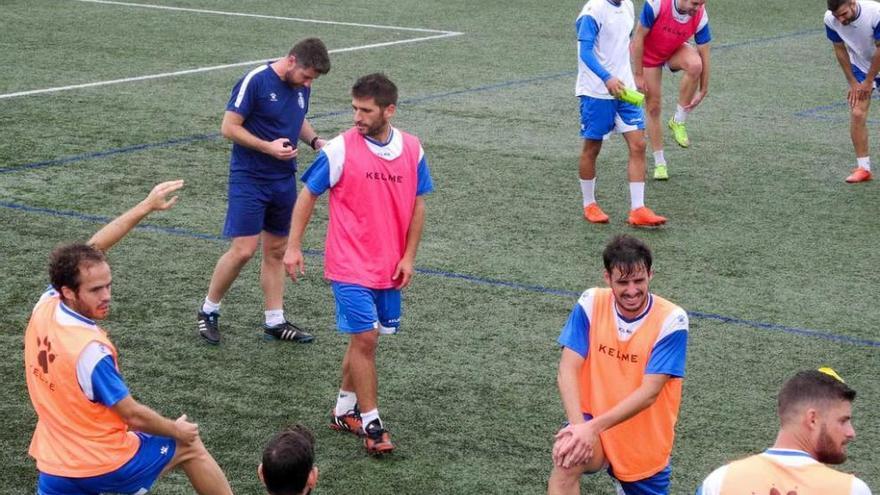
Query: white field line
[[439, 35], [260, 16]]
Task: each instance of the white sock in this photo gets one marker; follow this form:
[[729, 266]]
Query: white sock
[[369, 416], [864, 162], [274, 317], [659, 159], [345, 402], [210, 306], [680, 114], [636, 195], [588, 188]]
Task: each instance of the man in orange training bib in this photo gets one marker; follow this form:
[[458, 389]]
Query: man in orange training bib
[[815, 412], [82, 442], [620, 374]]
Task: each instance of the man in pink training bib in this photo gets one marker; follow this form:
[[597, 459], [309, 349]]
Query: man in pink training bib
[[377, 177], [662, 40]]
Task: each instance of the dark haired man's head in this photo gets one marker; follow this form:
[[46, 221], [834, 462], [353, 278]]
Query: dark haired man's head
[[845, 11], [307, 60], [81, 276], [818, 406], [288, 466], [628, 272], [374, 101]]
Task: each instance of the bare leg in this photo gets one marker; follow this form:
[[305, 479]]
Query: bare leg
[[230, 264], [567, 481], [272, 271], [635, 169], [688, 60], [858, 127], [202, 470], [587, 163], [653, 96], [360, 359]]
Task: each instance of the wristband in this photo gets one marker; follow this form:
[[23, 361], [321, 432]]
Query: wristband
[[313, 141]]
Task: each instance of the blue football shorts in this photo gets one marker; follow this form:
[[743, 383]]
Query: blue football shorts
[[860, 76], [135, 476], [600, 116], [360, 309], [255, 207]]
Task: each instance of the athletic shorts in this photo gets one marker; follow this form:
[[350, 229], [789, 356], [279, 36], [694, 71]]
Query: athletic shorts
[[134, 477], [254, 208], [600, 116], [860, 76], [360, 309], [657, 484]]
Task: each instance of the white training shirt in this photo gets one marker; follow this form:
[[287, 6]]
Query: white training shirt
[[860, 35], [615, 24]]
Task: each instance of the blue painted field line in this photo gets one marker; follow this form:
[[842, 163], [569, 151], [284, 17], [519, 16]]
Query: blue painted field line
[[814, 113], [408, 101], [805, 332]]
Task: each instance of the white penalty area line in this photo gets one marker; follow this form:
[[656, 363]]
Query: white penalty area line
[[439, 35]]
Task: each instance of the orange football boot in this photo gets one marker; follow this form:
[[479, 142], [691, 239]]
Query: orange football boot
[[859, 174], [594, 214], [644, 217]]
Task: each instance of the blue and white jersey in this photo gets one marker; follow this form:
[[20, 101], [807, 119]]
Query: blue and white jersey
[[327, 168], [652, 8], [604, 29], [860, 36], [669, 353], [784, 457], [271, 109]]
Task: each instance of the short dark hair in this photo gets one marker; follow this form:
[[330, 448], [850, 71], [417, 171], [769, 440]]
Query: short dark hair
[[66, 260], [288, 459], [833, 5], [376, 86], [811, 387], [627, 254], [311, 53]]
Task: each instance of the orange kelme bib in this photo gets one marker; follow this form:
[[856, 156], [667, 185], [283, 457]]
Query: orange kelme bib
[[640, 446], [758, 474], [74, 437]]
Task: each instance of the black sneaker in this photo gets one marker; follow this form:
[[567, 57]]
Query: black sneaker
[[287, 331], [377, 440], [208, 327]]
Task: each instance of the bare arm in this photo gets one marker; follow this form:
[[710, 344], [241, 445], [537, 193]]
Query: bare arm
[[843, 59], [704, 50], [157, 200], [638, 51], [406, 266], [567, 379], [308, 133], [302, 213], [141, 418], [634, 403], [574, 442], [233, 128]]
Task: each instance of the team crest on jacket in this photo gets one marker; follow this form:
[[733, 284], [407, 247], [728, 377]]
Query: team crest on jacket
[[301, 100]]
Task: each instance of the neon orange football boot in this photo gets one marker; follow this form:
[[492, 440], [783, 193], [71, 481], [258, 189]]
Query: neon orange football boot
[[644, 217], [594, 214], [859, 174]]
